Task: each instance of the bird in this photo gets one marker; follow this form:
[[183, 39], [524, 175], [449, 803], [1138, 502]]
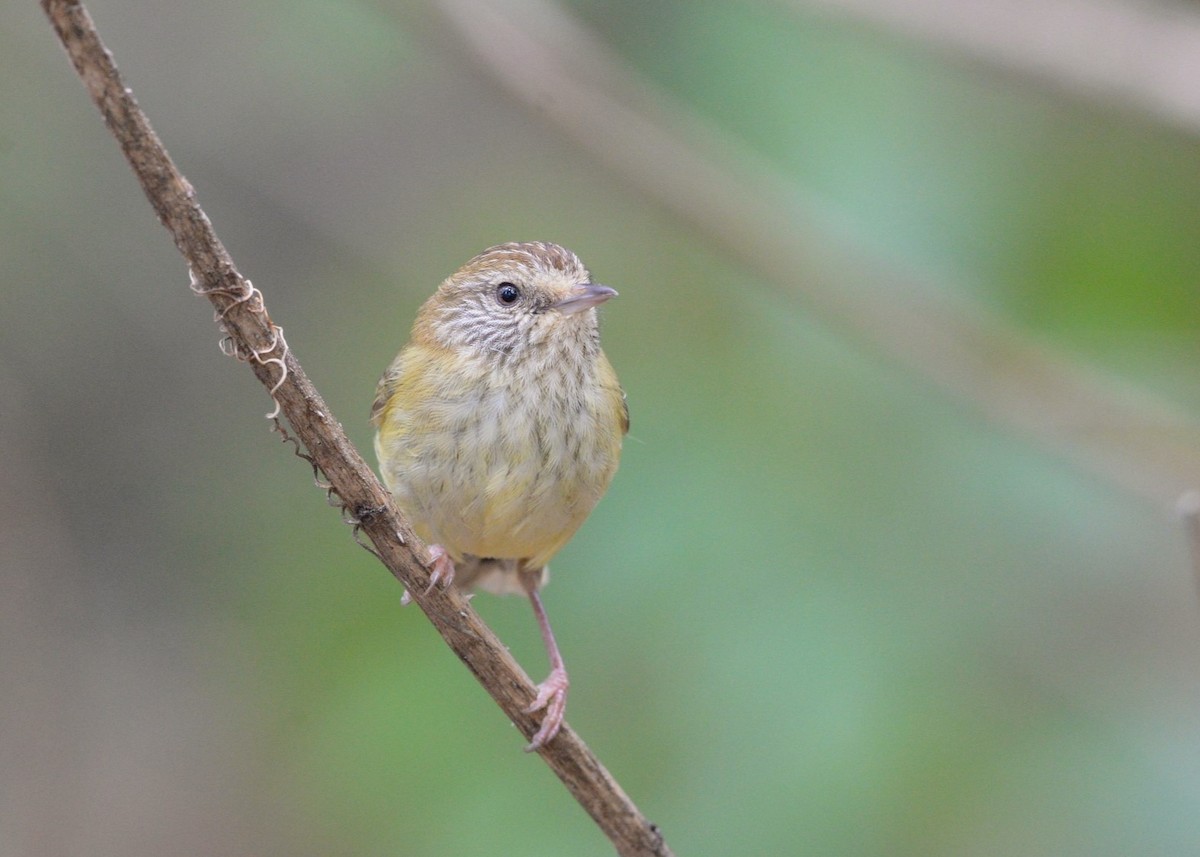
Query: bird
[[499, 427]]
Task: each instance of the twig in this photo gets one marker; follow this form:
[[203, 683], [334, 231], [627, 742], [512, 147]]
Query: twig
[[747, 209], [255, 339], [1139, 56]]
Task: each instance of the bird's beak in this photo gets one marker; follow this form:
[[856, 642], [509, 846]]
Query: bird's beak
[[584, 297]]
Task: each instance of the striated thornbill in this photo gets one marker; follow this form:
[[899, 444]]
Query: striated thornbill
[[499, 427]]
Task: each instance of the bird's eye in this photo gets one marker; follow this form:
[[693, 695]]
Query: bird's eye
[[507, 294]]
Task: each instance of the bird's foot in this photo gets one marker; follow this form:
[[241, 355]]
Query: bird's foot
[[441, 568], [551, 696], [441, 572]]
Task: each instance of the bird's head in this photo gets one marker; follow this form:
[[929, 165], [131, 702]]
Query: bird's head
[[514, 297]]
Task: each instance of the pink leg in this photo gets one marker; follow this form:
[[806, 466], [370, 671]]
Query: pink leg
[[552, 693], [441, 572]]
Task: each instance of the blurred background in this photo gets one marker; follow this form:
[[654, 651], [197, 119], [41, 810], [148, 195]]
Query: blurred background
[[908, 323]]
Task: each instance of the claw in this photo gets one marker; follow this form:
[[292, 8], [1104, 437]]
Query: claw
[[551, 696], [441, 573], [441, 568]]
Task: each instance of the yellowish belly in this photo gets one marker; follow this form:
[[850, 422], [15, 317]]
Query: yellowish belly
[[503, 472]]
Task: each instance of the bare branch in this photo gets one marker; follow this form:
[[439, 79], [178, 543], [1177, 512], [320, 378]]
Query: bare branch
[[1142, 56], [743, 206], [255, 339]]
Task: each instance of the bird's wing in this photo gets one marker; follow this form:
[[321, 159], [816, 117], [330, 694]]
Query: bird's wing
[[611, 386], [385, 389]]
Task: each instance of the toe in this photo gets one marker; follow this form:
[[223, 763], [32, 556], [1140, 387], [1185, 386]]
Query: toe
[[441, 568], [551, 696]]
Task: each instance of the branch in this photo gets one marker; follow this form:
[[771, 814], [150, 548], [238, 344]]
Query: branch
[[744, 207], [253, 338], [1136, 55]]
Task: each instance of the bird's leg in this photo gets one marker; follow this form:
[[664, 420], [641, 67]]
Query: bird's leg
[[441, 572], [551, 693]]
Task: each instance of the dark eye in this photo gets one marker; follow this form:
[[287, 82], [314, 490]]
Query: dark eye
[[507, 294]]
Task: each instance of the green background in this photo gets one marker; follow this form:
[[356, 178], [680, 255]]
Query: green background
[[826, 608]]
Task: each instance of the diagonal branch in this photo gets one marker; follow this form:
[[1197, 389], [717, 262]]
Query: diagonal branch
[[1140, 56], [253, 338]]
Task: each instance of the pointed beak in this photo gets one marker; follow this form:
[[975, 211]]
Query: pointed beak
[[584, 297]]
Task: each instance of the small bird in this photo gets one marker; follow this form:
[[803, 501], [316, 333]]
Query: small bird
[[499, 427]]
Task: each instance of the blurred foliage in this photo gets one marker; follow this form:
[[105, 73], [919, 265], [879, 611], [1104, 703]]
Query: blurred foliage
[[823, 610]]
